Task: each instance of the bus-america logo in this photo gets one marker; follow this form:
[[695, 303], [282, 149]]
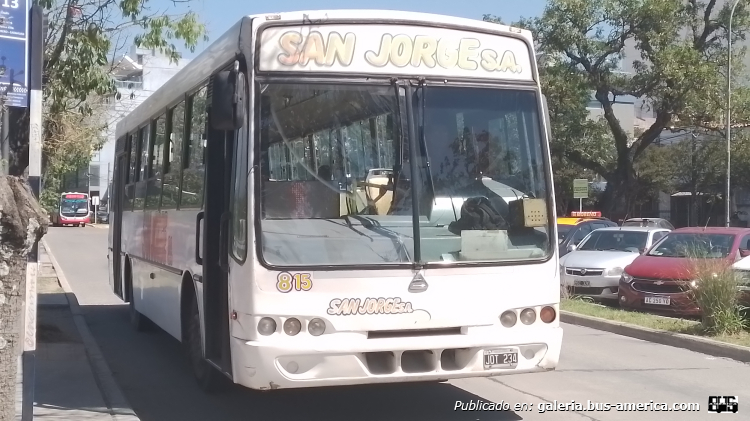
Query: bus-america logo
[[352, 306]]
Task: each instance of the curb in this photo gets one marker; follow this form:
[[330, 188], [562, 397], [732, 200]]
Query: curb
[[118, 406], [677, 340]]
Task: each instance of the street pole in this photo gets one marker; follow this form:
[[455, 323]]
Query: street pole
[[5, 139], [729, 114], [36, 61]]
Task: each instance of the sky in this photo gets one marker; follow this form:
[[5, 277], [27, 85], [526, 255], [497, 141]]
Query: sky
[[220, 15]]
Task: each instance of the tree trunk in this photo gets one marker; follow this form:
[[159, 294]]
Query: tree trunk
[[22, 224]]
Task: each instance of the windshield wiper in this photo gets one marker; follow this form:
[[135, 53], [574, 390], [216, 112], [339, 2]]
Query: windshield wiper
[[414, 170], [422, 141]]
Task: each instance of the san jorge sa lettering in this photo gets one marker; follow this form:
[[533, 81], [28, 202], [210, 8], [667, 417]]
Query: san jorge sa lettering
[[397, 50], [352, 306]]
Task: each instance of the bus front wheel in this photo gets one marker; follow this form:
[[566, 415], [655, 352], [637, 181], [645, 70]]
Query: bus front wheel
[[209, 379]]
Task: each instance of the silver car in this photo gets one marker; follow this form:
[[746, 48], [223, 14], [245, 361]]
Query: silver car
[[593, 268]]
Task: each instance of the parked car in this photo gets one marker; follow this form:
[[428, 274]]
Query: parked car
[[595, 266], [648, 222], [742, 269], [102, 216], [571, 230], [657, 279]]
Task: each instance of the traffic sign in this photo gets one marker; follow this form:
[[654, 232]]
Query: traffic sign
[[580, 188], [14, 46]]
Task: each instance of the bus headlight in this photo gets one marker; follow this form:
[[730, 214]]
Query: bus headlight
[[266, 326], [316, 327], [547, 314], [528, 316], [509, 318], [292, 326]]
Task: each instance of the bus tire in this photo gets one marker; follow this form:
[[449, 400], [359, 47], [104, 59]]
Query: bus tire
[[209, 379], [139, 322]]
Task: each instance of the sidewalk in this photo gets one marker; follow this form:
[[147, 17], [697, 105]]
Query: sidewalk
[[73, 381]]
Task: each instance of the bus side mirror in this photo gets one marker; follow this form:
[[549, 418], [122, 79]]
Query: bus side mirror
[[228, 100]]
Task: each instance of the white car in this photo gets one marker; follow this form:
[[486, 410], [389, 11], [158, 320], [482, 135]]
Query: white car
[[742, 268], [593, 268]]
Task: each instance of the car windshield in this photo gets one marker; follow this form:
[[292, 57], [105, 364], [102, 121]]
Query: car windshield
[[562, 231], [73, 207], [694, 245], [602, 240], [338, 186]]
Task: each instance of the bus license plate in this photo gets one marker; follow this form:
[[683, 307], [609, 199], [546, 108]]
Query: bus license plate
[[664, 301], [500, 358]]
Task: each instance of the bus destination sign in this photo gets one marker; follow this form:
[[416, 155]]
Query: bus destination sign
[[394, 49]]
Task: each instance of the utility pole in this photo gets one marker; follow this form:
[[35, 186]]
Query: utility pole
[[36, 61]]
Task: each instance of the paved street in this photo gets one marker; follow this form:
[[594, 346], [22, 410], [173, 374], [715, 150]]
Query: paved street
[[596, 366]]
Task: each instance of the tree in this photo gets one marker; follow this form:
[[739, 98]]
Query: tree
[[22, 224], [682, 46], [82, 44]]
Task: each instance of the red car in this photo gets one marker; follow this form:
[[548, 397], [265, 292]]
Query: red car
[[656, 280]]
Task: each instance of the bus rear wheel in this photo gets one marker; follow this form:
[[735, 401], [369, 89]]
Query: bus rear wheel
[[209, 379]]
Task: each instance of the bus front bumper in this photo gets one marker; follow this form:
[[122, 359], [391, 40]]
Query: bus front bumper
[[337, 360]]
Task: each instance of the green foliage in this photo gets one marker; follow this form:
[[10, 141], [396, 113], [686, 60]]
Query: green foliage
[[715, 288], [679, 45]]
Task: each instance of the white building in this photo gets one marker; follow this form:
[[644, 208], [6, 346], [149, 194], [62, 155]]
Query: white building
[[137, 75]]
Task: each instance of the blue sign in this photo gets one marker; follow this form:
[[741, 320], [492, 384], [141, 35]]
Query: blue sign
[[14, 58]]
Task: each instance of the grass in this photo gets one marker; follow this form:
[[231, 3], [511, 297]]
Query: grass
[[652, 321]]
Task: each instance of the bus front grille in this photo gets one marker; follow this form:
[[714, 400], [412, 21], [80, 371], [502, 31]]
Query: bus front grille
[[407, 333]]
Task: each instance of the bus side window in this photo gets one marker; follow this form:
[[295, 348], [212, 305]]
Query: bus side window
[[173, 159], [193, 174], [144, 140], [156, 163], [132, 164]]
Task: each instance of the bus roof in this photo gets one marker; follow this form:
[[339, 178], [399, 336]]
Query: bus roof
[[222, 51]]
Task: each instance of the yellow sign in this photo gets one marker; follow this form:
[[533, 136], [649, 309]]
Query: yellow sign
[[352, 306], [397, 50], [394, 49]]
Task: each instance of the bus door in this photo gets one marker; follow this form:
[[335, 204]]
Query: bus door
[[117, 196], [220, 147]]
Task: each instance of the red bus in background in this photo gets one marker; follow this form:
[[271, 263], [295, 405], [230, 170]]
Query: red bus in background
[[73, 210]]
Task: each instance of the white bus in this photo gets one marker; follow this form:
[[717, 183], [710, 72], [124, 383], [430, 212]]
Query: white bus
[[344, 197]]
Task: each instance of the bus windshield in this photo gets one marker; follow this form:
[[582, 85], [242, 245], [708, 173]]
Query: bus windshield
[[336, 174], [73, 207]]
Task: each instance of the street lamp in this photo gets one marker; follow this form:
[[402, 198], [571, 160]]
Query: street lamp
[[729, 111]]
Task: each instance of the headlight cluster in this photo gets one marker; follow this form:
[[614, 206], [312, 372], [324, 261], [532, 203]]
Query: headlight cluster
[[291, 326], [528, 316]]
